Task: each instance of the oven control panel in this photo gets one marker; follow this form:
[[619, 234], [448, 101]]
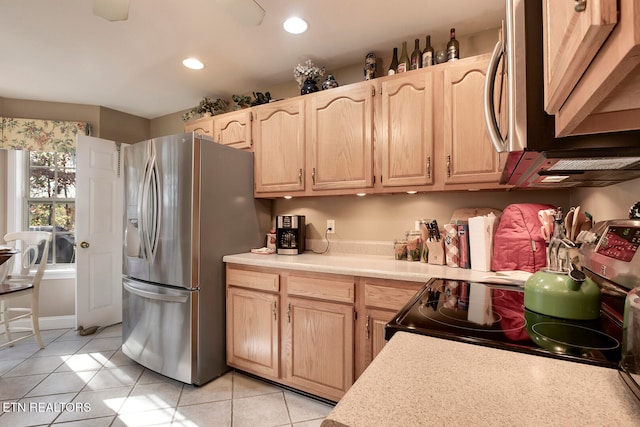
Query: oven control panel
[[614, 253]]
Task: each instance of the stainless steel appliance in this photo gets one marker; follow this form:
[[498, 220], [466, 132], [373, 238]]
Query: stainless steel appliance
[[495, 315], [189, 202], [610, 255], [535, 157], [290, 234]]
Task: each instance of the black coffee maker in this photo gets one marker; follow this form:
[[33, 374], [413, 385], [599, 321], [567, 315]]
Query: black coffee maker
[[290, 234]]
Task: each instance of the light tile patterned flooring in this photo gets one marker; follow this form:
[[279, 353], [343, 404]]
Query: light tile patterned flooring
[[88, 381]]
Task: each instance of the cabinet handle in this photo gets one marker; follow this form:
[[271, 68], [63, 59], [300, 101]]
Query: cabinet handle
[[289, 312], [581, 5], [300, 176], [313, 176], [449, 166], [366, 327], [275, 310], [428, 166]]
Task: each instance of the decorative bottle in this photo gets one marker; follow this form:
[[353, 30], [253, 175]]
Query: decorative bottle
[[427, 54], [404, 64], [394, 62], [416, 56], [453, 47]]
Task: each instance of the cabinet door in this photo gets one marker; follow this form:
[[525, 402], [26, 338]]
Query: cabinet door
[[279, 146], [469, 155], [320, 346], [572, 37], [341, 137], [375, 322], [202, 126], [407, 130], [252, 331], [233, 129]]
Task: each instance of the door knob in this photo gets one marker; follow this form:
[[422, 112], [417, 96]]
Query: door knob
[[84, 245]]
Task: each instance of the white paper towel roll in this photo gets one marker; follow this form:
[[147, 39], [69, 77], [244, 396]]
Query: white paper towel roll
[[481, 229]]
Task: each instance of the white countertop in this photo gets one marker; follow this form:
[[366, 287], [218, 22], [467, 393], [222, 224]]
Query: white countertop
[[382, 267], [419, 381]]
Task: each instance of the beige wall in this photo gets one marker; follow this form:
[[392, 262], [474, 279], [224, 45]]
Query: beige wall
[[170, 124], [387, 217], [611, 202]]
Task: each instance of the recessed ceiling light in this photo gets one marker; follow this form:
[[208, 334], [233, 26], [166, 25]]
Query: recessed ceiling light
[[295, 25], [193, 63]]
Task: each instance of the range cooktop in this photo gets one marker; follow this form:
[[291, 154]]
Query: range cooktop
[[495, 316]]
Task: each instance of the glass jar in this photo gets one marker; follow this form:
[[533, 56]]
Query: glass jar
[[631, 336], [400, 249], [414, 245]]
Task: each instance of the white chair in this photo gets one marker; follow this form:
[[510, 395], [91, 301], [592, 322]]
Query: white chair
[[26, 283]]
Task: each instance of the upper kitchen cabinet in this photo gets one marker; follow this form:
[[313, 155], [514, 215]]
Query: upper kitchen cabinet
[[407, 129], [202, 126], [469, 156], [233, 129], [606, 96], [573, 33], [279, 151], [340, 137]]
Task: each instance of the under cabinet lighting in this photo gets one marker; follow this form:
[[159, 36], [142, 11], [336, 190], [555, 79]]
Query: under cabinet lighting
[[411, 192], [295, 25], [193, 64], [361, 194], [288, 197]]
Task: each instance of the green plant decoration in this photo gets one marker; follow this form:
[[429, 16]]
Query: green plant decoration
[[207, 107]]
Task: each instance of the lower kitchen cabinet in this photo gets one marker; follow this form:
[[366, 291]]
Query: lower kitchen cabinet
[[381, 299], [315, 332], [319, 338], [307, 342], [252, 331]]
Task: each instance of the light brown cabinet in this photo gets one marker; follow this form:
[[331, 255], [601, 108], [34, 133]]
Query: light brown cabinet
[[572, 36], [605, 97], [381, 300], [253, 333], [469, 155], [233, 129], [407, 130], [203, 125], [306, 342], [340, 140], [279, 133]]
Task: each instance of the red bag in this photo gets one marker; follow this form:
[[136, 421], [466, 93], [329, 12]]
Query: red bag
[[518, 243]]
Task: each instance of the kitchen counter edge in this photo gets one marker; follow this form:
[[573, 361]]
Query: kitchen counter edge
[[420, 380], [380, 267]]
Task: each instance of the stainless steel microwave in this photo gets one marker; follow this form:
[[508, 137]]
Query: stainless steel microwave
[[535, 157]]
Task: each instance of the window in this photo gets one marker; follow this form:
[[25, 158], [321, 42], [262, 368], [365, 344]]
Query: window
[[50, 201]]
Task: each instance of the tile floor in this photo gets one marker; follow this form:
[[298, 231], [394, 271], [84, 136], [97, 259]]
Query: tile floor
[[88, 381]]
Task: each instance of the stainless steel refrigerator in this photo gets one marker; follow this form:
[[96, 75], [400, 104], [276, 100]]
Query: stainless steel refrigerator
[[188, 202]]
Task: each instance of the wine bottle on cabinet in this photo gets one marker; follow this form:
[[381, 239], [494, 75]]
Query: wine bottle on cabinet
[[453, 47], [394, 62], [427, 54], [403, 63], [416, 56]]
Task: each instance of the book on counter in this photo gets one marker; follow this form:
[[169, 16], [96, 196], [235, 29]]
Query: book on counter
[[464, 258]]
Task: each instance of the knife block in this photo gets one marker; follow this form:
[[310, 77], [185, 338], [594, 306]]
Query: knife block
[[436, 252]]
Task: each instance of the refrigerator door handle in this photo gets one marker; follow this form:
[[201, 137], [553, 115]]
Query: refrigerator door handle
[[150, 210], [155, 296]]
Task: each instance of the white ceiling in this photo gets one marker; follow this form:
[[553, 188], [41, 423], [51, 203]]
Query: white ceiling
[[57, 50]]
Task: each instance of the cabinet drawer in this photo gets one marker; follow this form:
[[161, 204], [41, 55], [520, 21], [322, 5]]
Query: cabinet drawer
[[334, 289], [253, 280], [385, 297]]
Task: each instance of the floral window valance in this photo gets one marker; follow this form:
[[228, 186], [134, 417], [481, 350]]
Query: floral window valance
[[41, 135]]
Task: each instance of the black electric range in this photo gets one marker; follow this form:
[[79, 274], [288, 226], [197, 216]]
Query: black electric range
[[494, 315]]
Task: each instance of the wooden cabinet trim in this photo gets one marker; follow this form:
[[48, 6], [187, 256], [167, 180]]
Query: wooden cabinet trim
[[259, 280], [333, 289], [387, 297]]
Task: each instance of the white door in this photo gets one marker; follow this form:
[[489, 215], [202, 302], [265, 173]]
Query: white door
[[98, 233]]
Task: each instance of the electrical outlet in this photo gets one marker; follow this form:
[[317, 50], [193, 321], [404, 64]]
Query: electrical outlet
[[331, 226]]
